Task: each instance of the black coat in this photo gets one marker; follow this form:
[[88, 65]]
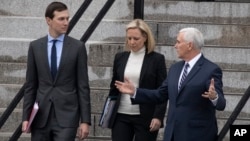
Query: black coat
[[153, 73]]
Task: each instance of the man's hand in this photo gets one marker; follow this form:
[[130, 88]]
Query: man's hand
[[155, 124], [83, 131], [211, 94], [126, 87], [24, 126]]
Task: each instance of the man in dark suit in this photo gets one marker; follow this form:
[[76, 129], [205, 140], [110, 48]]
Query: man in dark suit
[[194, 93], [59, 84]]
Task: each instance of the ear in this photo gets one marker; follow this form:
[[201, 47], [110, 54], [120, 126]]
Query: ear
[[190, 45], [48, 20]]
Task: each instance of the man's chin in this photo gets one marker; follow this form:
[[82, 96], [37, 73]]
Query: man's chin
[[63, 32]]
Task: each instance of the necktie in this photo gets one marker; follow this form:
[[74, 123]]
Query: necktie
[[184, 75], [53, 60]]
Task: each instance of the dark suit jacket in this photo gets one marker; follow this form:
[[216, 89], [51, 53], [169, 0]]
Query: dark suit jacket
[[69, 92], [153, 73], [190, 116]]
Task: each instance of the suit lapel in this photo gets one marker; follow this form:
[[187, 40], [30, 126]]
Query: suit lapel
[[65, 52], [177, 76], [44, 55], [144, 67], [123, 63], [192, 73]]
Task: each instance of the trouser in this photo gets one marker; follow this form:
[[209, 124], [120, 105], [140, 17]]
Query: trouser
[[129, 127], [53, 131]]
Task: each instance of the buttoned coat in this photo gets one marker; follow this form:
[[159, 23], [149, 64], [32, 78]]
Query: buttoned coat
[[190, 117]]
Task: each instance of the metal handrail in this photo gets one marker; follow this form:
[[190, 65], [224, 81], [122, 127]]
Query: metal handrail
[[12, 106], [78, 15], [139, 9], [15, 136], [97, 20], [234, 114]]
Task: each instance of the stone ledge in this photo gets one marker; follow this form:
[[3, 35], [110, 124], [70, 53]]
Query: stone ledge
[[4, 136]]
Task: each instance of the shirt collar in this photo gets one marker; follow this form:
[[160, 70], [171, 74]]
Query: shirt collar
[[59, 38], [194, 60], [142, 50]]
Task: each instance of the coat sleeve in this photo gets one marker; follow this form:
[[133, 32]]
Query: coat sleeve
[[161, 75], [30, 85], [83, 86]]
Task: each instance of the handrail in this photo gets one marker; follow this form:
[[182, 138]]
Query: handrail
[[12, 106], [78, 15], [234, 114], [17, 133], [138, 9], [97, 20]]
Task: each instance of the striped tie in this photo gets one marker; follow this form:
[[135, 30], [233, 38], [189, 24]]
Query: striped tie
[[184, 75]]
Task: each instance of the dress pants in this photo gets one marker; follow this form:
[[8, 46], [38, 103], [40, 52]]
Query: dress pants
[[132, 128], [172, 138], [52, 131]]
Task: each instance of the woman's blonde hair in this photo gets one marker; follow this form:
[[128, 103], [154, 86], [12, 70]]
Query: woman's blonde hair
[[146, 32]]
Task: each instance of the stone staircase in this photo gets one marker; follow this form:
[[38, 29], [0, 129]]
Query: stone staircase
[[225, 25]]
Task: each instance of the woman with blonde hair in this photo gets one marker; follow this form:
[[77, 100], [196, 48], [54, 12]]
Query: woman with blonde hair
[[146, 69]]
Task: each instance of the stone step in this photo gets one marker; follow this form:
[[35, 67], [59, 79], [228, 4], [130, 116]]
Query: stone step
[[104, 134], [98, 98], [15, 120], [27, 8], [234, 62], [26, 137], [13, 29], [224, 35], [217, 35], [13, 55], [198, 12], [12, 73], [8, 93], [232, 11], [96, 132], [235, 58], [234, 80], [221, 124], [99, 133], [13, 50], [4, 136]]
